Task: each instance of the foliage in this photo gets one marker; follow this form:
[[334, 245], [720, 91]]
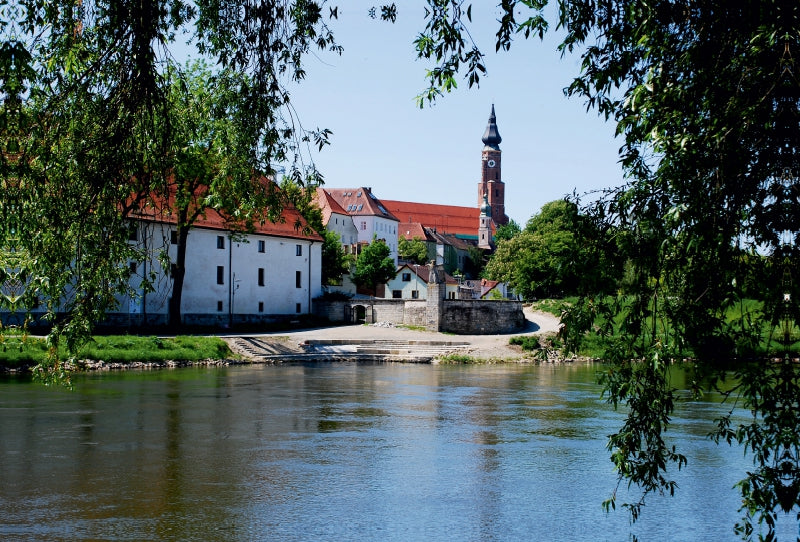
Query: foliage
[[374, 265], [526, 342], [412, 250], [554, 255], [504, 232], [705, 96], [335, 262], [88, 133], [207, 164]]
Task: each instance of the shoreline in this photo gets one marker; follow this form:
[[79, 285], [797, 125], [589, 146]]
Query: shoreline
[[293, 346]]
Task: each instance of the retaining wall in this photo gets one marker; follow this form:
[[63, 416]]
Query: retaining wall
[[464, 317]]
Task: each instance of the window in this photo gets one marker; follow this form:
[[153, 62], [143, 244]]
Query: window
[[363, 225], [260, 306], [397, 294], [220, 274], [173, 237], [220, 241], [133, 233], [219, 306], [261, 276], [415, 294], [133, 267], [298, 250], [406, 277], [298, 279], [262, 246], [297, 308]]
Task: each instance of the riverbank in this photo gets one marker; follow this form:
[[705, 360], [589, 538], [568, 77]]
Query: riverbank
[[295, 345]]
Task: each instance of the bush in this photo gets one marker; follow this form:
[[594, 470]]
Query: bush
[[527, 342]]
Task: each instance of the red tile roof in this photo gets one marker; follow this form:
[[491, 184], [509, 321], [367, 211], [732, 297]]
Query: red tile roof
[[360, 202], [411, 230], [291, 223], [327, 205], [463, 221]]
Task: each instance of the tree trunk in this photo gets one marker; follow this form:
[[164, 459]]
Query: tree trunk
[[178, 273]]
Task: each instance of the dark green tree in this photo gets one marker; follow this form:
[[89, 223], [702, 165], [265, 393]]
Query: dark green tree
[[412, 250], [335, 262], [706, 98], [374, 265], [550, 257]]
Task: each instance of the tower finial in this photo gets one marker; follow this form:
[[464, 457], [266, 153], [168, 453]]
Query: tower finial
[[491, 137]]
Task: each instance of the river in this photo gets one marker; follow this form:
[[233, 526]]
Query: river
[[341, 452]]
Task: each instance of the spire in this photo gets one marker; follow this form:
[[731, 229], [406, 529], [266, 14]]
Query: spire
[[491, 137]]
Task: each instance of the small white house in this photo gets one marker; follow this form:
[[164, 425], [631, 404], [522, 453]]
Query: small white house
[[411, 282]]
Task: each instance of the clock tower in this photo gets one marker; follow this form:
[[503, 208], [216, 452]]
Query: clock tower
[[491, 188]]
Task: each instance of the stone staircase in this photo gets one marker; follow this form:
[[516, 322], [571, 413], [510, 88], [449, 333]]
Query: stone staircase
[[276, 350], [420, 351]]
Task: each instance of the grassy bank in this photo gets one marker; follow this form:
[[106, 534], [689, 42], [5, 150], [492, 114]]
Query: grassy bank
[[21, 351], [738, 316]]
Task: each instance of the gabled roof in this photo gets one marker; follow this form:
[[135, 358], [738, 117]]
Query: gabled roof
[[411, 230], [456, 220], [291, 223], [424, 273], [327, 205], [360, 202]]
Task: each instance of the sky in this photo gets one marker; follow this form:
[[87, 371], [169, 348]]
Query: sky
[[381, 139]]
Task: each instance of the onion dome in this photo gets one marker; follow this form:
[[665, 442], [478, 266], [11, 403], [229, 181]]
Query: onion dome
[[491, 137]]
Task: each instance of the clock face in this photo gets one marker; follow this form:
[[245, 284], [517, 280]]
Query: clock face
[[490, 163]]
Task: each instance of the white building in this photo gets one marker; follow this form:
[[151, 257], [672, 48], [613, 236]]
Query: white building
[[369, 215], [337, 220], [272, 273]]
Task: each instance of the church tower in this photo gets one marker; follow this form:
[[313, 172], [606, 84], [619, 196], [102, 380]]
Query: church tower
[[491, 187], [485, 228]]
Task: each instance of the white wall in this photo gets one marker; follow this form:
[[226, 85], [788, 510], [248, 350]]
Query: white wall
[[240, 260], [382, 228]]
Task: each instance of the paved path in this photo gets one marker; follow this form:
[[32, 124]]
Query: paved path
[[478, 346]]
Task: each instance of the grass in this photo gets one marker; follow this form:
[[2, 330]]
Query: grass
[[23, 351]]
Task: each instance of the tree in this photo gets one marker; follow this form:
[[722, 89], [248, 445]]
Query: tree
[[335, 262], [412, 250], [705, 95], [507, 231], [88, 135], [374, 265], [207, 166], [548, 259]]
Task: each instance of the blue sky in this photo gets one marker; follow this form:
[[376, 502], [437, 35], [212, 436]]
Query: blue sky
[[381, 139]]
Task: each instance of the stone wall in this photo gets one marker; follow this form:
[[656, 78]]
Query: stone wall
[[464, 317], [481, 317]]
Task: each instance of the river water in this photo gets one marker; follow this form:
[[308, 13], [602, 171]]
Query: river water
[[341, 452]]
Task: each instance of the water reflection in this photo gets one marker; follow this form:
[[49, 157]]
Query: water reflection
[[338, 451]]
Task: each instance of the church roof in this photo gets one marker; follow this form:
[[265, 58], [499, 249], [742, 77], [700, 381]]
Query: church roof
[[456, 220], [491, 137]]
